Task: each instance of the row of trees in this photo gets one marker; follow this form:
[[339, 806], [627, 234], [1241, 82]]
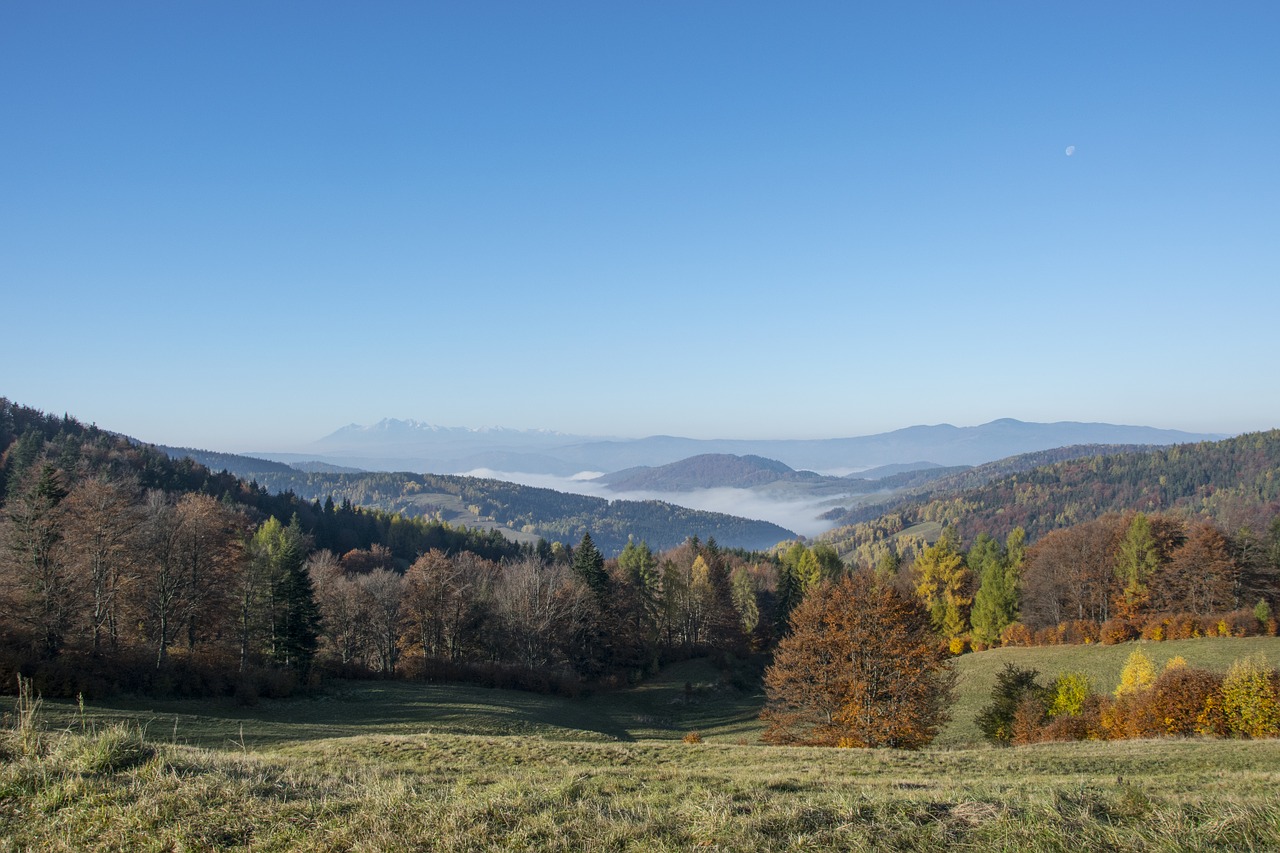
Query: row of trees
[[1134, 567], [564, 612], [101, 579], [102, 572]]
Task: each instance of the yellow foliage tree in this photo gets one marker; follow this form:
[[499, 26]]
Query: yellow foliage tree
[[1138, 674], [942, 582]]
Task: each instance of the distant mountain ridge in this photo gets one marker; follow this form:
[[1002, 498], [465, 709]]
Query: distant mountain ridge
[[414, 446]]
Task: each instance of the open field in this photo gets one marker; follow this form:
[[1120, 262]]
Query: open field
[[689, 696], [400, 766], [469, 792]]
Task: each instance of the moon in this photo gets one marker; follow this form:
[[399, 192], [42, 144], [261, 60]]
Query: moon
[[1071, 149]]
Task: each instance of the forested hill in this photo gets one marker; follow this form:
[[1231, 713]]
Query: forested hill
[[1234, 482], [918, 487], [532, 512], [709, 471], [408, 513], [31, 440]]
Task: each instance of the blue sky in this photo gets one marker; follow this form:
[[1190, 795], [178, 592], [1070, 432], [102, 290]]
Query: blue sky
[[242, 225]]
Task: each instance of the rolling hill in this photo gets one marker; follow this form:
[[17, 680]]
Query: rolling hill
[[1235, 482]]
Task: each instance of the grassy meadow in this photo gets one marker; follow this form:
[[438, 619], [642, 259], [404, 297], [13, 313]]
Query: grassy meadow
[[397, 766]]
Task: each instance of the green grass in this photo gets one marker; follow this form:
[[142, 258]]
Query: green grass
[[659, 709], [688, 696], [468, 792], [400, 766]]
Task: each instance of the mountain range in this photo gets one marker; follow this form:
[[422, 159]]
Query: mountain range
[[407, 445]]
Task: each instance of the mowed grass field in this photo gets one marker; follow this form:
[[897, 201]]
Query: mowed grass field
[[397, 766]]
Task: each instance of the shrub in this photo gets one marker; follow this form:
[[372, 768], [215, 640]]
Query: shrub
[[1250, 703], [1243, 623], [1186, 626], [1117, 630], [1013, 684], [1179, 696], [1015, 634], [1155, 628], [692, 737], [1068, 693], [1127, 716], [1029, 718], [1262, 611], [1080, 632]]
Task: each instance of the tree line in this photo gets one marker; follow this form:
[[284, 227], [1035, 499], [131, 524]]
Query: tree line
[[1112, 579]]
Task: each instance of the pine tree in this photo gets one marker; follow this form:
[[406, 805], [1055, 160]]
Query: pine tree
[[995, 606], [588, 564], [1136, 562]]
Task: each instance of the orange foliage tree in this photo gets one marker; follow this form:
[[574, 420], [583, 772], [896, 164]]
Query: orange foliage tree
[[860, 668]]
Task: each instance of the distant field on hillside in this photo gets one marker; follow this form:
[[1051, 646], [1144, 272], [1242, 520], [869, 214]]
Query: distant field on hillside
[[1102, 664]]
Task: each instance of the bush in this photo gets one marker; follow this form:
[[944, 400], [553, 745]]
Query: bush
[[1068, 693], [1179, 696], [1187, 626], [1242, 623], [1080, 632], [1029, 718], [1117, 630], [1156, 628], [1138, 674], [1013, 684], [1015, 634], [1251, 699]]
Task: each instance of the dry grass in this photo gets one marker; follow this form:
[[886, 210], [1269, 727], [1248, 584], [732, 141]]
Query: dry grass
[[112, 791], [411, 767]]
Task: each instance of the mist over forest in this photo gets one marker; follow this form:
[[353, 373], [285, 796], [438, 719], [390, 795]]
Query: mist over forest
[[800, 515]]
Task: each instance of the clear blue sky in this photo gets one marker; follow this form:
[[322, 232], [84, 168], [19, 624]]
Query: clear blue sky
[[242, 225]]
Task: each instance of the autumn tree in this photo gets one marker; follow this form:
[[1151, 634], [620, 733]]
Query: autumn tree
[[861, 667], [382, 592], [942, 582], [1070, 574], [344, 617], [535, 601], [162, 583], [101, 519], [1201, 576], [38, 588]]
